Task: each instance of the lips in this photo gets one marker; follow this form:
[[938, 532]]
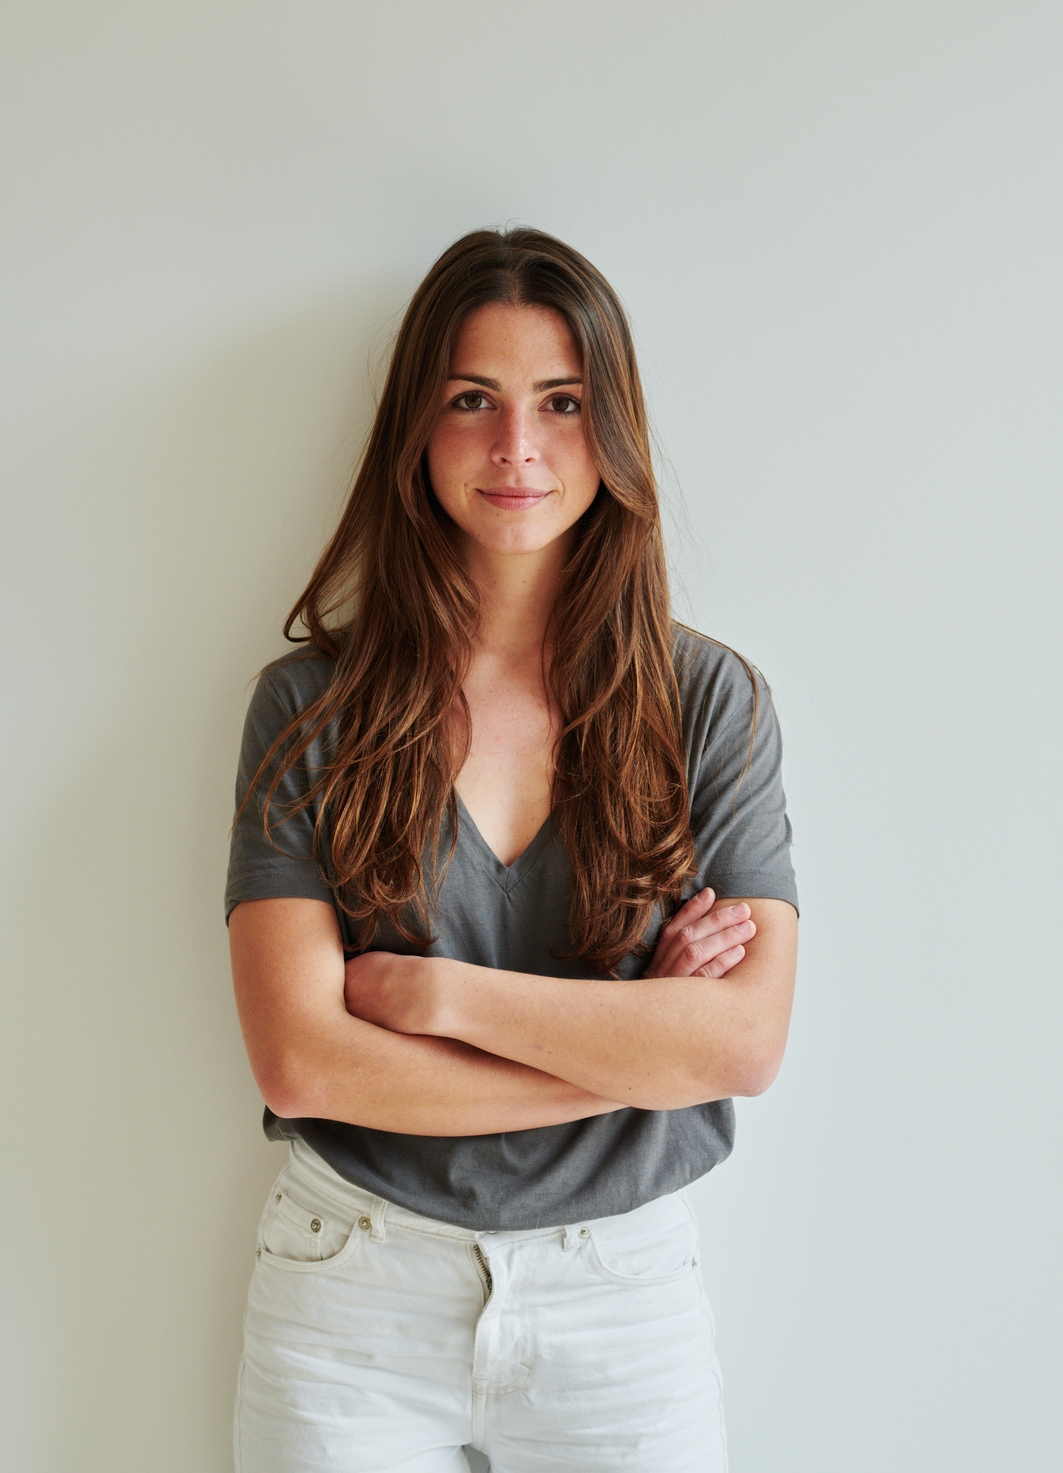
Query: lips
[[513, 498]]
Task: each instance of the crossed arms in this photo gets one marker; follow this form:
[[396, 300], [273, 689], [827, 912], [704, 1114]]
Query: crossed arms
[[430, 1046]]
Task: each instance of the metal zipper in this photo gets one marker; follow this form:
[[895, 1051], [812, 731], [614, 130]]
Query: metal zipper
[[485, 1272]]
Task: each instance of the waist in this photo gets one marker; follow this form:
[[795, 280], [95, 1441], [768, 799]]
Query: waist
[[356, 1201]]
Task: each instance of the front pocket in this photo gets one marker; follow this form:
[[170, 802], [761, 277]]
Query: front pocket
[[302, 1231], [658, 1245]]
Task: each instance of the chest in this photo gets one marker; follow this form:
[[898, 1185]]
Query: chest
[[507, 778]]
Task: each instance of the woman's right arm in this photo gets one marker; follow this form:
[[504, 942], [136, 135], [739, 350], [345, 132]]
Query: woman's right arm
[[312, 1059]]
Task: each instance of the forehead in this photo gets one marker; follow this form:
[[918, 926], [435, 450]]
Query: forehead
[[525, 340]]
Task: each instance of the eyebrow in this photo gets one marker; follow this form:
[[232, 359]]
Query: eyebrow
[[540, 386]]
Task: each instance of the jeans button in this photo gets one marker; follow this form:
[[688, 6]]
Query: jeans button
[[315, 1224]]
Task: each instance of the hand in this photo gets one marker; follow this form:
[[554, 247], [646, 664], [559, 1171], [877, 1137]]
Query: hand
[[702, 942], [392, 991]]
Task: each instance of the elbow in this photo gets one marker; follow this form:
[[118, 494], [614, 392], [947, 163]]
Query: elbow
[[283, 1084], [755, 1064], [749, 1072], [286, 1104], [282, 1096], [754, 1075], [755, 1056]]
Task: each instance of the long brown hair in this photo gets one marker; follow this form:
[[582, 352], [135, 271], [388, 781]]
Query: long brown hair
[[392, 603]]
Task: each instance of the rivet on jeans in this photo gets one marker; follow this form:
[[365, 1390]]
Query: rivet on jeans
[[365, 1223], [584, 1232], [315, 1224]]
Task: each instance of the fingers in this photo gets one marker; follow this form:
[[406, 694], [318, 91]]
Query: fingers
[[690, 920], [722, 964], [689, 914], [701, 940], [696, 919], [691, 956], [716, 920]]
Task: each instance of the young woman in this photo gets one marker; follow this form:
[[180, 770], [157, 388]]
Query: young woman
[[512, 918]]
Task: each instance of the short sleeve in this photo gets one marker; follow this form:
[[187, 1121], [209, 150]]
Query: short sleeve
[[281, 864], [738, 808]]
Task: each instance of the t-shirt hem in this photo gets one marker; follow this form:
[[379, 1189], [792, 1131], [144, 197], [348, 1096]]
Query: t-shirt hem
[[591, 1199], [754, 884], [280, 882]]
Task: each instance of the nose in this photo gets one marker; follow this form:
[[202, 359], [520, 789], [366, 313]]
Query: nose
[[516, 443]]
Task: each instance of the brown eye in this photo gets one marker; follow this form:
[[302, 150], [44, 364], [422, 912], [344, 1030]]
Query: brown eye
[[465, 401], [564, 404]]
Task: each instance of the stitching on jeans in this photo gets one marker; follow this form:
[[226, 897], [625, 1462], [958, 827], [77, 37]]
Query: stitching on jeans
[[238, 1457]]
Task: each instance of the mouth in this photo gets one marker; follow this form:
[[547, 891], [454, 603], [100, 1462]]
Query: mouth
[[513, 498]]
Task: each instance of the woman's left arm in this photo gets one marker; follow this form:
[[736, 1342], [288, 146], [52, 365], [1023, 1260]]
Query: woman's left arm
[[657, 1043]]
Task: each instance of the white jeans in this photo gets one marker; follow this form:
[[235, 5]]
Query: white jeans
[[380, 1341]]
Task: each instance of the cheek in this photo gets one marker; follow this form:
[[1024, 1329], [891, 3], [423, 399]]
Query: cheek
[[455, 459], [581, 473], [444, 457]]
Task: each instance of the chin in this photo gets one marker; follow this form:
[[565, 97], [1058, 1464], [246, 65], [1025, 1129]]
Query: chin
[[515, 540]]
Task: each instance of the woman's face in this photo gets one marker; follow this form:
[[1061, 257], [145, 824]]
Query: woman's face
[[507, 458]]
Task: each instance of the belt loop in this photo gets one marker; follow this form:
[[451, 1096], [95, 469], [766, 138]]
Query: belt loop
[[379, 1214], [570, 1239]]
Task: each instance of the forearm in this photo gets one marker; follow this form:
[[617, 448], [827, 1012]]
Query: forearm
[[413, 1085], [312, 1058], [656, 1045], [660, 1043]]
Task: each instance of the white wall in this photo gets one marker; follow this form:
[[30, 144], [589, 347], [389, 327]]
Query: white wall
[[837, 227]]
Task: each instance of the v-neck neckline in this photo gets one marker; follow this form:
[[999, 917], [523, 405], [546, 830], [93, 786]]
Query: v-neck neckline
[[508, 876]]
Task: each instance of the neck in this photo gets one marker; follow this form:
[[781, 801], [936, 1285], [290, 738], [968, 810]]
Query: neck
[[517, 595]]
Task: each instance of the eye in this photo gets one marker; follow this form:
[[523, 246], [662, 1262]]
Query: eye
[[564, 404], [471, 401]]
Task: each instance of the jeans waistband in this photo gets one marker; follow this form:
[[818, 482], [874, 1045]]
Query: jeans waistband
[[318, 1173], [357, 1200]]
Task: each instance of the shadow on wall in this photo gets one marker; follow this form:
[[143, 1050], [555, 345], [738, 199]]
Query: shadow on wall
[[181, 521]]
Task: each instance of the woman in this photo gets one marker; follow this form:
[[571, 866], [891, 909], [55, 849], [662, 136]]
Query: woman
[[498, 1038]]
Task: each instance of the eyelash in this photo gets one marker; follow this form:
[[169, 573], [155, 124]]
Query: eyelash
[[554, 399]]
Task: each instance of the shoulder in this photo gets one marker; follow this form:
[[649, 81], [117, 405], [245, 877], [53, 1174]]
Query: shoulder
[[716, 683], [295, 680], [284, 688]]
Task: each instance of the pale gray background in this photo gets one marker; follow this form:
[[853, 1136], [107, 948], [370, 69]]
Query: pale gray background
[[837, 228]]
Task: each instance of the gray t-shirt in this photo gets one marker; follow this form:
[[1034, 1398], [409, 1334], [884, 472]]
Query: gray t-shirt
[[515, 917]]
